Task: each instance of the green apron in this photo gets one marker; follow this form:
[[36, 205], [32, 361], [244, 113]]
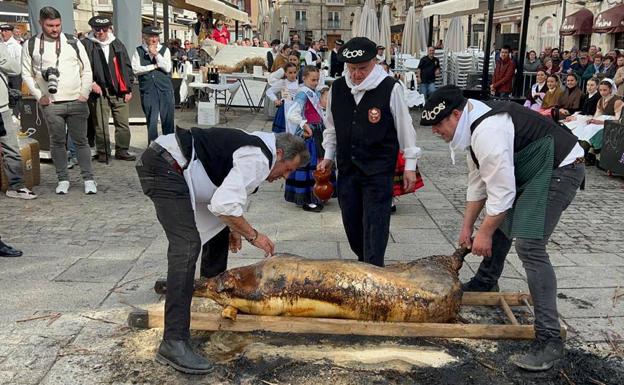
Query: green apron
[[533, 171]]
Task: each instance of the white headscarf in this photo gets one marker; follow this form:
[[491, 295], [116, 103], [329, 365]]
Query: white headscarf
[[613, 86]]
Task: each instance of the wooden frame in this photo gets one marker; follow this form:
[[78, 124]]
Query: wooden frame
[[154, 318]]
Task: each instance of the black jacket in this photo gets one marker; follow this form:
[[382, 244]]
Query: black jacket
[[105, 76]]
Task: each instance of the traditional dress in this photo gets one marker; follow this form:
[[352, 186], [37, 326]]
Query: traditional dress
[[305, 109], [285, 90], [536, 96]]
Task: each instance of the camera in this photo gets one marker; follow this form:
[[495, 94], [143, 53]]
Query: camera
[[51, 75]]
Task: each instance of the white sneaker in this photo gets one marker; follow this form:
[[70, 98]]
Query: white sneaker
[[90, 187], [22, 193], [62, 187]]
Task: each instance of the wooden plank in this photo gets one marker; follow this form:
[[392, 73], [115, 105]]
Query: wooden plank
[[508, 312], [248, 323], [493, 298]]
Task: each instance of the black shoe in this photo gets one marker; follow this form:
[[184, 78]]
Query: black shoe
[[8, 251], [477, 285], [541, 355], [313, 207], [160, 286], [179, 355], [124, 155], [392, 209], [102, 158]]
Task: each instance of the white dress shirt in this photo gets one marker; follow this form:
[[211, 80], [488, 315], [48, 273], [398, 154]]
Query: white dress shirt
[[493, 145], [162, 61], [251, 168], [14, 48], [400, 113], [308, 57]]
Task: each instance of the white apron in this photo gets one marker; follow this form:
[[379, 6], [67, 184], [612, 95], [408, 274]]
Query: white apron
[[201, 190]]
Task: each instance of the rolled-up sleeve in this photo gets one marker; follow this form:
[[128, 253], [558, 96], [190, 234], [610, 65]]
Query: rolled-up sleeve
[[493, 145], [250, 169], [405, 128]]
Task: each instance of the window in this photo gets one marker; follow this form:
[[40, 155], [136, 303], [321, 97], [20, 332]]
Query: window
[[333, 19], [300, 15], [548, 35], [618, 40]]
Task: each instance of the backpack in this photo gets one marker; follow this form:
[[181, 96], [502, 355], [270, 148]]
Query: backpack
[[71, 40]]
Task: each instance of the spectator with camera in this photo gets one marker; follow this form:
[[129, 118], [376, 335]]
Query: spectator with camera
[[9, 148], [112, 88], [57, 71]]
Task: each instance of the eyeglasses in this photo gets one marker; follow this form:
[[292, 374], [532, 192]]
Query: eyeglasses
[[100, 29]]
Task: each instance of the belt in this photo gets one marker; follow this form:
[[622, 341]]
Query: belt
[[160, 150]]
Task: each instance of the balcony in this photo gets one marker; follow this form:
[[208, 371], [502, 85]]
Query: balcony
[[301, 24], [335, 2], [333, 24]]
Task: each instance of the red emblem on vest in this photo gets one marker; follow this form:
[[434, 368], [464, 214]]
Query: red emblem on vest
[[374, 115]]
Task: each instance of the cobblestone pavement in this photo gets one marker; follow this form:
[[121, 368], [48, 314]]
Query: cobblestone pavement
[[91, 259]]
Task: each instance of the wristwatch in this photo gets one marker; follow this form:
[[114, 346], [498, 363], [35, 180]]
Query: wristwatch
[[253, 239]]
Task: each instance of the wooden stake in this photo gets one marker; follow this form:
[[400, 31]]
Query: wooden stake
[[508, 312], [493, 299]]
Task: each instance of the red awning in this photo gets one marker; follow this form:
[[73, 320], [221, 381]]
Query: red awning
[[578, 23], [610, 21]]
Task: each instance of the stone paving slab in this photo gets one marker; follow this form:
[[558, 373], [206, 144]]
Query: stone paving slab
[[46, 295], [594, 329], [96, 270], [589, 276]]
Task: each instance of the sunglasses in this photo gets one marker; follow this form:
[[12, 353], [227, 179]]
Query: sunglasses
[[100, 29]]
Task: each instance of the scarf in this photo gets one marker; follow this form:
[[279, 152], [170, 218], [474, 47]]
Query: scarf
[[371, 82]]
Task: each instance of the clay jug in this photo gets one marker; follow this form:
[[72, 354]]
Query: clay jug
[[323, 189]]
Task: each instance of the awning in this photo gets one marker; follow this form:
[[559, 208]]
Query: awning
[[216, 6], [451, 8], [578, 23], [610, 21]]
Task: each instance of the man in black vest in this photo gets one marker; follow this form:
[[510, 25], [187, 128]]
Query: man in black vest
[[152, 64], [524, 169], [336, 66], [112, 88], [199, 180], [367, 124]]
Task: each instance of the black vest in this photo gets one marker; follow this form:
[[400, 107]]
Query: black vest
[[158, 78], [530, 126], [215, 147], [361, 144], [314, 57]]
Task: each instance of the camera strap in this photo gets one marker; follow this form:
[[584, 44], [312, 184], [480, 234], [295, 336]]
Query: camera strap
[[41, 48]]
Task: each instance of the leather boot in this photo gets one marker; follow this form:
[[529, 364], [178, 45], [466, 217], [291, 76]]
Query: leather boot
[[180, 355], [540, 356], [124, 155]]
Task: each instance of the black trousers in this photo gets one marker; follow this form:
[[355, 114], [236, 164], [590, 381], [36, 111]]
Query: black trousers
[[365, 205], [169, 192]]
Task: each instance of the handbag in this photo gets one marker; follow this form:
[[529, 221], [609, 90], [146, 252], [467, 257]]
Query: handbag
[[397, 182], [14, 95]]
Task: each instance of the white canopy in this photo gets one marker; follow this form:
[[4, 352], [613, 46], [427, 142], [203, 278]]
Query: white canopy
[[384, 32], [451, 8], [409, 43], [455, 40]]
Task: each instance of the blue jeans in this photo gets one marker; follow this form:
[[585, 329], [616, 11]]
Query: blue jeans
[[156, 103], [427, 89]]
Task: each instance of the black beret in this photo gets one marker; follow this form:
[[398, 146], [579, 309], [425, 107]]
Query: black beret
[[100, 21], [339, 42], [358, 50], [151, 30], [441, 103], [6, 27]]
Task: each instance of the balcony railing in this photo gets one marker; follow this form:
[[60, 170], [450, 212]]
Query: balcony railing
[[333, 24]]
